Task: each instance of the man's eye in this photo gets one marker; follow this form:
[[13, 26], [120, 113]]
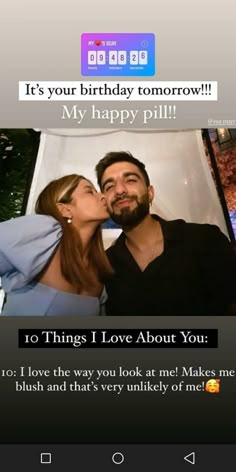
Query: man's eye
[[131, 180], [108, 187]]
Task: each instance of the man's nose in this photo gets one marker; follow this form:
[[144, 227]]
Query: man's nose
[[120, 188]]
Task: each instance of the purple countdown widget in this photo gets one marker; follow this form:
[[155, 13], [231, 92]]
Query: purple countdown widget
[[117, 54]]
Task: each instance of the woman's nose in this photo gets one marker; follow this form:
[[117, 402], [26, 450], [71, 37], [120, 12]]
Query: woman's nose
[[102, 196]]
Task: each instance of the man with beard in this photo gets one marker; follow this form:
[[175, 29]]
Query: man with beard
[[161, 267]]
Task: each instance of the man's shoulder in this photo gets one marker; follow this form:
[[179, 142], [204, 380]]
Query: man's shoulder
[[199, 233], [192, 228]]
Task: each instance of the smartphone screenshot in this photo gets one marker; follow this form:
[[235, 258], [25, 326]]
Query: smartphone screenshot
[[117, 237]]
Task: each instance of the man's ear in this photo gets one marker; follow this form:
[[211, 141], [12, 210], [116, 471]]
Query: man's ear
[[64, 210], [151, 193]]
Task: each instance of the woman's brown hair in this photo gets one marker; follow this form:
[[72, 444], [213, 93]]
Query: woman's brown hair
[[71, 256]]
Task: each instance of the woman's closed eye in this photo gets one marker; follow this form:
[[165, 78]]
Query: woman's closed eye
[[91, 190]]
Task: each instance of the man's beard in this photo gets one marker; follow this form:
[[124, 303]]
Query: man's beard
[[129, 218]]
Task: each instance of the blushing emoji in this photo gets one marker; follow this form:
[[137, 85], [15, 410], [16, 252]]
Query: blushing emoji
[[213, 386]]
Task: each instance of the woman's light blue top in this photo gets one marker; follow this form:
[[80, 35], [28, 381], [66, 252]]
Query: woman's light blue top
[[26, 245]]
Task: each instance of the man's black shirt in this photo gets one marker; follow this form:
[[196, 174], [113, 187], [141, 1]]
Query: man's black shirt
[[195, 274]]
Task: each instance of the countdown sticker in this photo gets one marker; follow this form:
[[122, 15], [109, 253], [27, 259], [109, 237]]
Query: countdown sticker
[[117, 54]]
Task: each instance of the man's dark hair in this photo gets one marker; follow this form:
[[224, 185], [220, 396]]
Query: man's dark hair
[[119, 156]]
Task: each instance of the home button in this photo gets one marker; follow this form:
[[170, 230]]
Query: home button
[[118, 458]]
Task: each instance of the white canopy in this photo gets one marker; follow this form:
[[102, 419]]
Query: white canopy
[[175, 161]]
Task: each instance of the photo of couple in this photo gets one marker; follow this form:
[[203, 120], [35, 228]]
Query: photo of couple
[[53, 262]]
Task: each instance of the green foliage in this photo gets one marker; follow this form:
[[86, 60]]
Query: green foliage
[[17, 155]]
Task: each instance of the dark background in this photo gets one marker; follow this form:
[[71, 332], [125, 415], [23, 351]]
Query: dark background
[[108, 418]]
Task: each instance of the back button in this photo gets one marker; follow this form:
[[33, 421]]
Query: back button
[[191, 458]]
